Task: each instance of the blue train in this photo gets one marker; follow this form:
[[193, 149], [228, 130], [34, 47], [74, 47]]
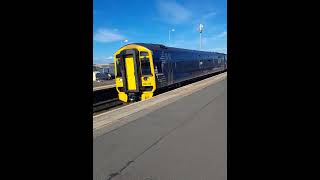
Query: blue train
[[142, 68]]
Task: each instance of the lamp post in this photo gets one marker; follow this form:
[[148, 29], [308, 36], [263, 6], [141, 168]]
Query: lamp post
[[124, 41], [169, 33], [200, 31]]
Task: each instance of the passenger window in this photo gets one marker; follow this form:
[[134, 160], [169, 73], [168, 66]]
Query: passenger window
[[145, 66]]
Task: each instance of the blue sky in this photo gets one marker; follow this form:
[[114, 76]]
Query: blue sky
[[149, 21]]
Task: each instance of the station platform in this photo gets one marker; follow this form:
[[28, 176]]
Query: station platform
[[180, 134]]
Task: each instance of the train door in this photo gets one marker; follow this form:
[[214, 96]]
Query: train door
[[131, 78], [215, 61], [130, 68], [170, 72], [167, 66]]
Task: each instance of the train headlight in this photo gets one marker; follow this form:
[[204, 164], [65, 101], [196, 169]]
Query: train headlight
[[120, 80], [145, 78]]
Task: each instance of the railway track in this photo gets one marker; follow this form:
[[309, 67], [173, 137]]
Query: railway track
[[107, 99], [107, 104]]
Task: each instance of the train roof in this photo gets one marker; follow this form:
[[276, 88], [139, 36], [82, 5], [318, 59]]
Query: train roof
[[163, 47]]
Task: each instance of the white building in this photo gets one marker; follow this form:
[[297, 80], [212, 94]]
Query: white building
[[104, 68]]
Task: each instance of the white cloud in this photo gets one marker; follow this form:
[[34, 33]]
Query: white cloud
[[209, 15], [173, 12], [223, 34], [106, 35], [103, 60]]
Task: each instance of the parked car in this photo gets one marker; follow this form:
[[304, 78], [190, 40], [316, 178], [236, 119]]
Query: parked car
[[98, 76], [110, 76]]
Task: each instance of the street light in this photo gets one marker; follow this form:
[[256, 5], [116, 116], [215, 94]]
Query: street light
[[124, 41], [200, 30], [170, 32]]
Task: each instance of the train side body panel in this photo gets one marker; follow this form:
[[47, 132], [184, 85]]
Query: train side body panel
[[174, 65]]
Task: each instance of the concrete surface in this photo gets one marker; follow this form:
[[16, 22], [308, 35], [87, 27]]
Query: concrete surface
[[186, 139]]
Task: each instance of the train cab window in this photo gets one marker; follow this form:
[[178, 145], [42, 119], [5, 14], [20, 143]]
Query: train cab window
[[145, 66], [119, 74], [143, 53]]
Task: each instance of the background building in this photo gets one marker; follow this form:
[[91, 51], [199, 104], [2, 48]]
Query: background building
[[104, 68]]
